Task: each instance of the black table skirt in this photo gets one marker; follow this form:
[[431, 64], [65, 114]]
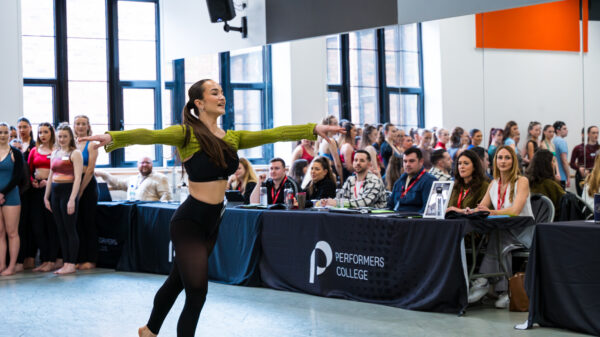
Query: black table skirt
[[144, 243], [411, 264], [563, 276]]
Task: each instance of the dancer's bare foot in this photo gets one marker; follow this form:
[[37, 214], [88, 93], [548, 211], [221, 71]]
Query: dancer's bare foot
[[87, 265], [46, 267], [2, 268], [40, 267], [29, 263], [145, 332], [68, 268], [19, 268], [8, 271], [59, 264]]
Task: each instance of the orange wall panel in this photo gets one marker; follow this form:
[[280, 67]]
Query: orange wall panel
[[550, 26]]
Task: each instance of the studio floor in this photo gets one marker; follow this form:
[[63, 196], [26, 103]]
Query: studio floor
[[107, 303]]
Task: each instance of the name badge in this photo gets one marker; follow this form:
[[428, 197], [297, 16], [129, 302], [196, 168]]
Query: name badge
[[65, 158], [49, 156]]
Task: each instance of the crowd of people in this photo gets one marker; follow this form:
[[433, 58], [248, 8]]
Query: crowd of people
[[48, 188]]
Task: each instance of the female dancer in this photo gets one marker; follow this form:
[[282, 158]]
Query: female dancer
[[63, 181], [209, 156], [347, 149], [44, 227], [366, 143], [305, 150], [534, 130], [28, 249], [88, 197], [11, 169]]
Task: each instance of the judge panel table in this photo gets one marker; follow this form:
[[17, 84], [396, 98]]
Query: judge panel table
[[408, 263], [146, 244], [563, 276]]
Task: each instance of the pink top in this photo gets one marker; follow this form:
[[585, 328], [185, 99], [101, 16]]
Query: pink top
[[63, 167]]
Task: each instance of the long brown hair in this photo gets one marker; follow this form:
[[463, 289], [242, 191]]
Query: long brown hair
[[324, 162], [212, 145], [514, 170], [249, 174], [52, 141], [593, 180], [64, 126]]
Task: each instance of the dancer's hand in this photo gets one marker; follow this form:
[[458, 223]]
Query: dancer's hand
[[323, 130], [47, 203], [71, 206], [102, 139]]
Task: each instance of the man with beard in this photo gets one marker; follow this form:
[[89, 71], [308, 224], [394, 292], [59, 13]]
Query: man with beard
[[147, 185]]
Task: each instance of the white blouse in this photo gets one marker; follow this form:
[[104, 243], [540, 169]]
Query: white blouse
[[523, 235]]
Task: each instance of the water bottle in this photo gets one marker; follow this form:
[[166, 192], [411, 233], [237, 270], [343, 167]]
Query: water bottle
[[131, 193], [339, 196], [439, 203], [288, 195], [183, 192], [263, 195]]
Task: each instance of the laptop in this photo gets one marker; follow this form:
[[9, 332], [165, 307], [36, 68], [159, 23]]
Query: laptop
[[103, 192], [446, 189]]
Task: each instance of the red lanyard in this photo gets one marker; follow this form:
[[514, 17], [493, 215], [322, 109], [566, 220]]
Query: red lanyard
[[501, 196], [461, 196], [281, 186], [412, 184], [360, 189]]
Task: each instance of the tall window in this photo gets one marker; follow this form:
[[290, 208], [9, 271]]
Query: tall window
[[376, 76], [98, 58]]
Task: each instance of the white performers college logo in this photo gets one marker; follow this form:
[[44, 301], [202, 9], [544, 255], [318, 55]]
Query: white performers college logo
[[314, 269]]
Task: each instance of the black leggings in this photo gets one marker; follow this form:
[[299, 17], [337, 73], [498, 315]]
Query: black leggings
[[194, 231], [28, 248], [66, 223], [86, 223], [44, 226]]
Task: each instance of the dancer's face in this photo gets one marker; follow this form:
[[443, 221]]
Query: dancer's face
[[81, 126], [213, 102], [44, 134], [4, 135], [24, 129]]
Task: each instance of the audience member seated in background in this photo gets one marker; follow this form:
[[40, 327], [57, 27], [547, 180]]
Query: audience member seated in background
[[387, 148], [485, 161], [321, 184], [347, 148], [534, 130], [541, 177], [368, 139], [363, 188], [496, 140], [298, 170], [508, 194], [470, 183], [425, 147], [411, 191], [511, 130], [443, 137], [330, 149], [456, 141], [147, 185], [592, 183], [276, 184], [547, 144], [562, 152], [393, 172], [442, 162], [304, 150], [476, 137], [582, 161], [244, 180]]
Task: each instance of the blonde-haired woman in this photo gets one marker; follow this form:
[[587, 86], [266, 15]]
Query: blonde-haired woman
[[330, 149], [244, 179], [592, 183], [507, 194]]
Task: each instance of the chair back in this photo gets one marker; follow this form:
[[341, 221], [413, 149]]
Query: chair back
[[542, 207]]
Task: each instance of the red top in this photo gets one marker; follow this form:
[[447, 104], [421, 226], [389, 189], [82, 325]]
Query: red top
[[306, 155], [37, 160], [342, 157], [440, 145], [63, 166]]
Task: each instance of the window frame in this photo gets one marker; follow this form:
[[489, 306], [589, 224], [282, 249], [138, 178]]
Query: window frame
[[383, 90]]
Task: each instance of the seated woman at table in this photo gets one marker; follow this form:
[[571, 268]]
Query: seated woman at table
[[508, 194], [541, 177], [321, 184], [470, 183], [592, 184], [244, 180]]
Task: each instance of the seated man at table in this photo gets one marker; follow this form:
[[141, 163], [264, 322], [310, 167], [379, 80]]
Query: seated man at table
[[276, 184], [363, 188], [147, 185], [411, 190]]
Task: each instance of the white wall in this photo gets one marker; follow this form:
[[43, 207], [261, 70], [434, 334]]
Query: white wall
[[187, 29], [520, 85], [11, 81], [299, 86]]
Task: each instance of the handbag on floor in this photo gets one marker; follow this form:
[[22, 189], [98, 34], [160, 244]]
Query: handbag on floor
[[516, 292]]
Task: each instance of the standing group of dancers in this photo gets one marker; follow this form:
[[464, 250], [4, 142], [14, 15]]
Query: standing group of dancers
[[48, 198]]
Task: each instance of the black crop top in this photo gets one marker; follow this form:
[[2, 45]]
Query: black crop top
[[201, 169]]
